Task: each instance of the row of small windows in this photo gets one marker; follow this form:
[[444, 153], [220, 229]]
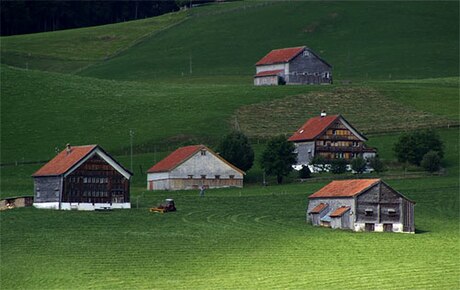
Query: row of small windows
[[324, 74], [338, 143], [215, 176], [370, 212]]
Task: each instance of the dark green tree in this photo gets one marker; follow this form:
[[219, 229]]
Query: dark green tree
[[412, 146], [431, 161], [358, 164], [376, 164], [338, 166], [278, 157], [236, 149]]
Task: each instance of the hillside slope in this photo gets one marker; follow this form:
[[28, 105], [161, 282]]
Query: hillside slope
[[363, 40]]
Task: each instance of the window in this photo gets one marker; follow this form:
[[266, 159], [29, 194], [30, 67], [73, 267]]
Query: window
[[203, 152], [38, 193], [203, 176], [391, 212], [231, 176], [306, 53], [190, 176], [217, 176], [368, 212]]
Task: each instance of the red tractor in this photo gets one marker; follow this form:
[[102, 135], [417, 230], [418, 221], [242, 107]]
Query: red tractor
[[165, 207]]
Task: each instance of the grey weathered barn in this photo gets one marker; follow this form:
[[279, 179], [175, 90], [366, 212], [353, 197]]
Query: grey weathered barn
[[361, 205], [84, 178], [295, 65], [191, 167]]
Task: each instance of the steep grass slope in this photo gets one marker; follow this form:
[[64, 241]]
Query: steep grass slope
[[70, 50], [362, 40]]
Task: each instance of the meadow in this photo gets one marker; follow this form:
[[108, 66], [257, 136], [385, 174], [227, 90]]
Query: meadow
[[185, 78]]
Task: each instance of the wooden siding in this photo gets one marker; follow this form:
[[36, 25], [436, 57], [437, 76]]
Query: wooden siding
[[95, 181], [307, 68], [47, 188], [339, 142]]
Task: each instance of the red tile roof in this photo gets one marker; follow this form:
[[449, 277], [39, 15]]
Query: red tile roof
[[313, 128], [345, 188], [175, 158], [340, 211], [64, 161], [319, 208], [280, 55], [269, 73]]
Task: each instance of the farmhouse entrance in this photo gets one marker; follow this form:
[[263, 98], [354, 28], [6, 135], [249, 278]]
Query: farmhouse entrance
[[387, 227], [369, 227]]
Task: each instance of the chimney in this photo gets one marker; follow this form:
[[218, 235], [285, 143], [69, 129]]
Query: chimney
[[323, 113], [68, 148]]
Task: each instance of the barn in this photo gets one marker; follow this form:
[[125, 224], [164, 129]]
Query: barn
[[332, 137], [191, 167], [82, 178], [361, 205], [294, 65]]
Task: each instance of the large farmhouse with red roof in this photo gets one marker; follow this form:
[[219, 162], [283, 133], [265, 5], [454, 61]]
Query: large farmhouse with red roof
[[84, 178], [294, 65], [191, 167], [361, 205], [332, 137]]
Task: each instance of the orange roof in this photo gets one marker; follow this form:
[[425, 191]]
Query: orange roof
[[313, 128], [345, 188], [319, 208], [280, 55], [340, 211], [175, 158], [64, 161], [269, 73]]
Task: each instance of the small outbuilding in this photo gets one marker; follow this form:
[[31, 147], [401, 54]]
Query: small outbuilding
[[361, 205], [18, 201], [192, 167], [82, 178], [293, 65]]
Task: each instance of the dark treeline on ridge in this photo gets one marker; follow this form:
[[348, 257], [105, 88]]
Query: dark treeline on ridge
[[21, 17]]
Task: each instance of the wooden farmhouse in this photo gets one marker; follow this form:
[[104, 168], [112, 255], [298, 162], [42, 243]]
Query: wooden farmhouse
[[83, 178], [332, 137], [361, 205], [191, 167], [295, 65]]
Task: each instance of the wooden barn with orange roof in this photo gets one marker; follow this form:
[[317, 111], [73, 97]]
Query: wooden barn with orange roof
[[293, 65], [191, 167], [332, 137], [361, 205], [82, 178]]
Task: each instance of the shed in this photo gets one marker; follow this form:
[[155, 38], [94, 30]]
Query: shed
[[361, 205]]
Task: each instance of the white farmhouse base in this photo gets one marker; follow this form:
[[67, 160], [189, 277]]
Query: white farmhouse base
[[81, 206], [360, 227]]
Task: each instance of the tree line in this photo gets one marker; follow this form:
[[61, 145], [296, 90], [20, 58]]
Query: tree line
[[21, 17]]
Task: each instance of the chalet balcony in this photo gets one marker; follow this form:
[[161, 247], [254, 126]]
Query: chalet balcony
[[339, 137], [338, 149]]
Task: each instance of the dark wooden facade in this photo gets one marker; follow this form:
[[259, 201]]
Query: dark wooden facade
[[95, 181], [309, 68]]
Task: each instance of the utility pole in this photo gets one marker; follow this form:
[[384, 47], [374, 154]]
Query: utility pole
[[131, 135]]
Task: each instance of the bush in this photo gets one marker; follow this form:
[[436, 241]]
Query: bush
[[431, 161], [304, 173], [376, 164], [411, 147], [319, 162], [278, 157], [339, 166], [236, 149], [358, 164]]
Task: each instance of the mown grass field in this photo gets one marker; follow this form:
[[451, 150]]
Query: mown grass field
[[402, 58]]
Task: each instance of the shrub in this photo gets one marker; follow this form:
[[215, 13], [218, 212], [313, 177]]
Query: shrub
[[411, 147], [431, 161], [304, 173], [376, 164], [278, 157], [338, 166], [319, 162], [358, 164]]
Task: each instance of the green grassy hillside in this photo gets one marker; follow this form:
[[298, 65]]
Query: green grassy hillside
[[362, 40], [71, 50]]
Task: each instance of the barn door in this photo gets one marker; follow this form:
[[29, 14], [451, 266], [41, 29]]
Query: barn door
[[151, 185]]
